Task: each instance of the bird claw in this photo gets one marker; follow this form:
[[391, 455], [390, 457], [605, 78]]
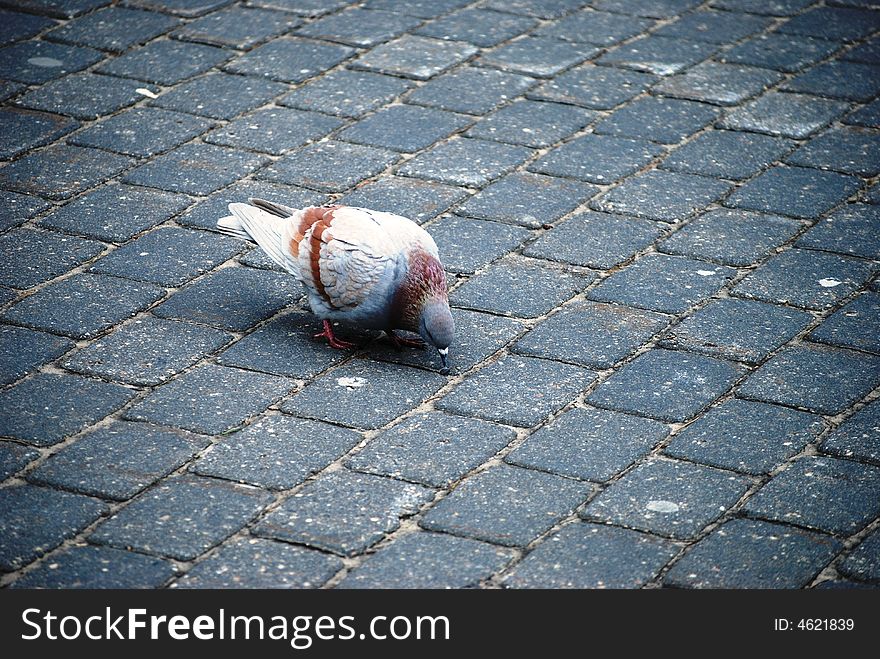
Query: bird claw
[[332, 341], [399, 341]]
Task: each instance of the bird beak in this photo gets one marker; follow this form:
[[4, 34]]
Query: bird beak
[[444, 360]]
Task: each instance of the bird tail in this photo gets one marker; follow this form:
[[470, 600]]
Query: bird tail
[[261, 227]]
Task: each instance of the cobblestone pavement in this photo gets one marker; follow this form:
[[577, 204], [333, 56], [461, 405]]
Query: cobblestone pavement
[[661, 221]]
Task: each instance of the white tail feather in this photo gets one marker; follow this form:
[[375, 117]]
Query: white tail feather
[[261, 227]]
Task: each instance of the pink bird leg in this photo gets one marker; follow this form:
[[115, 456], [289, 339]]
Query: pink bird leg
[[332, 341]]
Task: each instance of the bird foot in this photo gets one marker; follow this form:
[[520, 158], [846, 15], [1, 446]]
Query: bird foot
[[399, 341], [332, 341]]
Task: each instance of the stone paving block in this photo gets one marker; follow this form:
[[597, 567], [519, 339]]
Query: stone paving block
[[838, 23], [722, 84], [415, 57], [428, 560], [114, 28], [659, 195], [520, 391], [165, 62], [545, 9], [862, 562], [196, 169], [274, 130], [465, 161], [97, 568], [867, 115], [787, 115], [851, 150], [731, 237], [531, 200], [868, 52], [284, 346], [36, 62], [18, 208], [418, 8], [272, 60], [649, 8], [210, 399], [851, 81], [344, 512], [856, 325], [32, 257], [259, 563], [739, 330], [666, 385], [849, 493], [773, 8], [418, 200], [670, 497], [277, 452], [843, 584], [714, 26], [477, 336], [852, 229], [47, 407], [406, 128], [83, 95], [61, 171], [806, 278], [741, 435], [589, 444], [9, 89], [526, 288], [219, 95], [668, 284], [204, 215], [745, 553], [797, 191], [309, 8], [23, 350], [7, 295], [346, 93], [583, 555], [817, 378], [471, 89], [537, 56], [434, 449], [185, 8], [664, 120], [146, 351], [597, 87], [532, 123], [36, 520], [591, 334], [22, 130], [595, 27], [329, 166], [14, 457], [237, 27], [506, 505], [595, 240], [119, 460], [467, 244], [661, 56], [97, 214], [17, 26], [210, 509], [783, 52], [142, 132], [597, 158], [83, 305], [57, 8], [364, 394], [858, 437], [360, 27], [727, 154], [477, 26]]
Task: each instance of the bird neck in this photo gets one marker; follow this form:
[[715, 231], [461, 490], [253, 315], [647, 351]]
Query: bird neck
[[424, 281]]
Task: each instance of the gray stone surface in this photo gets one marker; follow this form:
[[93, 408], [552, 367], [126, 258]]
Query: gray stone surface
[[663, 120], [596, 87], [467, 244], [22, 350], [272, 60], [343, 512], [506, 505], [721, 84], [851, 229], [219, 95], [32, 257], [537, 56], [14, 457], [857, 437], [274, 130], [434, 449], [165, 62], [787, 115], [407, 128], [472, 90], [855, 325], [415, 57], [661, 56], [468, 162], [673, 498], [597, 158], [276, 452], [727, 154], [862, 562]]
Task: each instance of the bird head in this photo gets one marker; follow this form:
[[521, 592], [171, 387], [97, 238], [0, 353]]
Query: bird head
[[436, 327]]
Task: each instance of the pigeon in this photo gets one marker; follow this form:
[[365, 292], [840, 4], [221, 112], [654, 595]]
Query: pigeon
[[370, 268]]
